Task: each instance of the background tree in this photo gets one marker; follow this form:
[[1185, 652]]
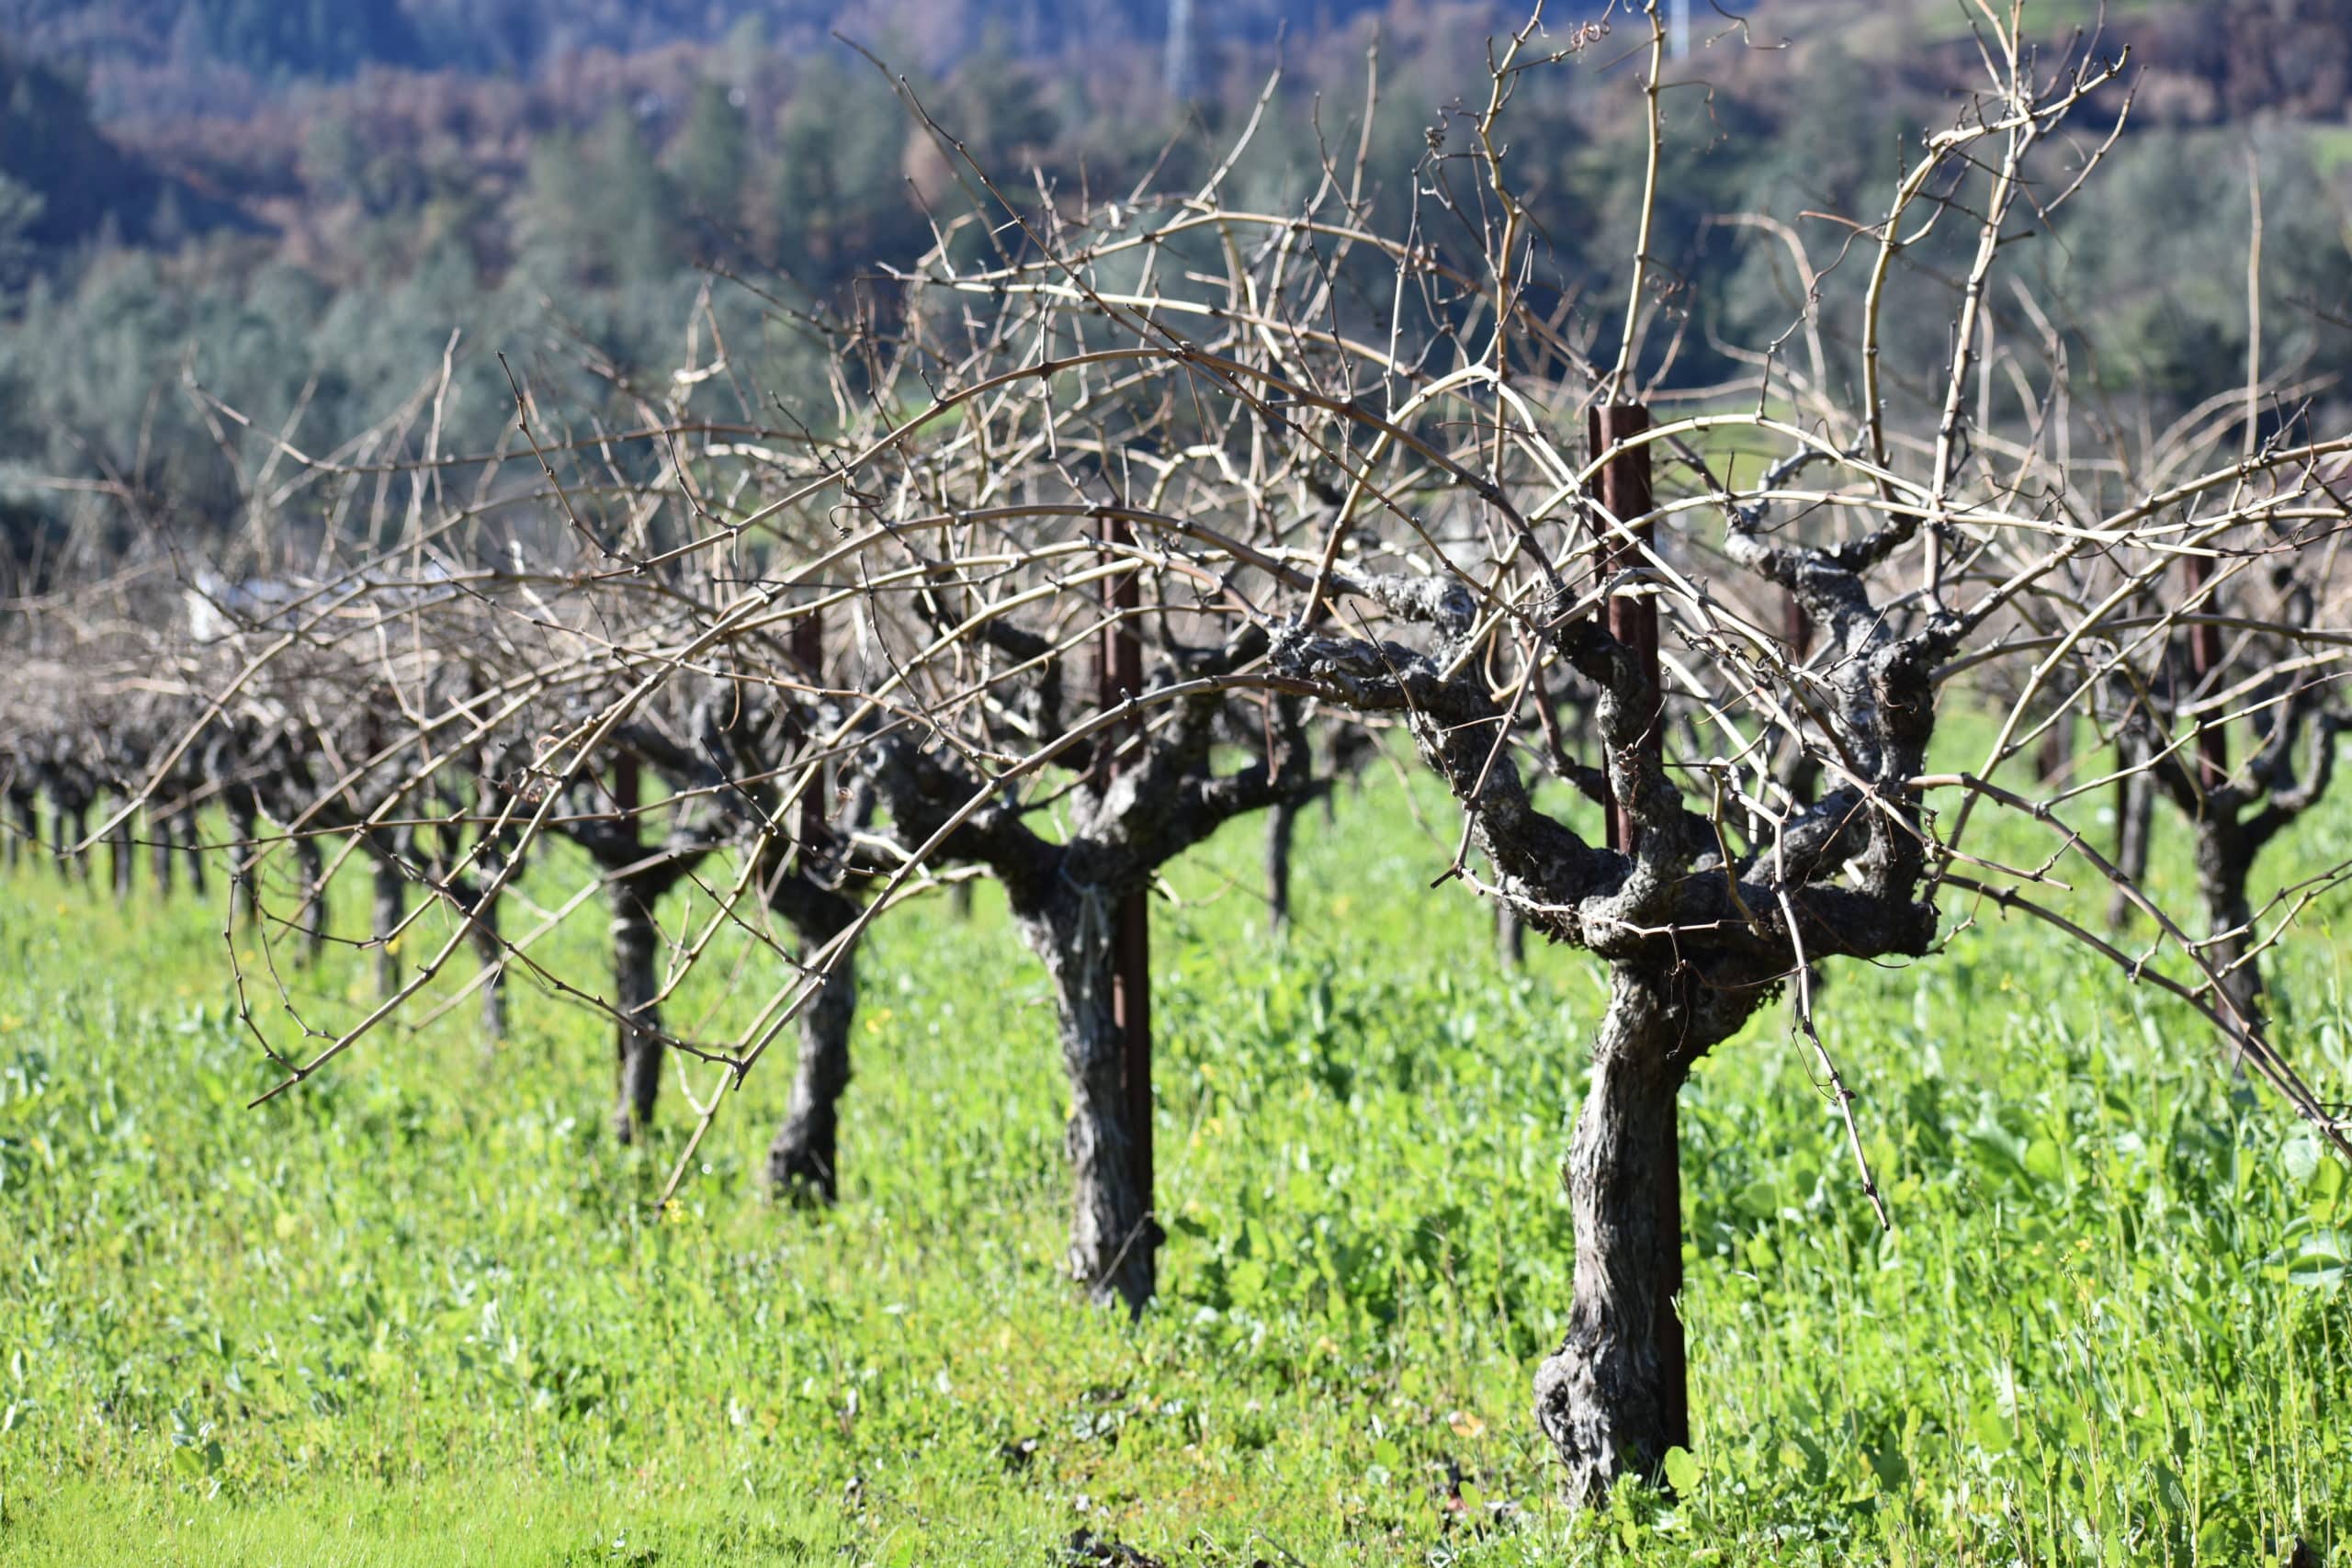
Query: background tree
[[714, 156]]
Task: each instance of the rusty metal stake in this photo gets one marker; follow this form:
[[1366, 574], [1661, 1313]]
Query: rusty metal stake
[[1623, 488], [1121, 677], [808, 645], [2204, 658]]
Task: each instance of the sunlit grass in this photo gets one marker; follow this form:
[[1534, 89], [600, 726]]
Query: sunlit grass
[[421, 1310]]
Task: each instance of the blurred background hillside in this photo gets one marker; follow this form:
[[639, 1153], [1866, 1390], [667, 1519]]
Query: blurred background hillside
[[293, 204]]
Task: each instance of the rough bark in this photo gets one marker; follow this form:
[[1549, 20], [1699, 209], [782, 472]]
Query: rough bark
[[390, 895], [1113, 1241], [191, 842], [121, 861], [483, 933], [1800, 767], [244, 822], [635, 880], [2136, 804], [312, 914], [2224, 866], [1066, 898], [1615, 1396], [803, 1161], [159, 853], [637, 875], [76, 821], [1282, 827]]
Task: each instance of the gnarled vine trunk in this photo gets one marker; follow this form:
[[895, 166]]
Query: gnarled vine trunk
[[191, 842], [310, 863], [73, 818], [121, 860], [244, 822], [1113, 1239], [1282, 827], [159, 852], [492, 953], [637, 1042], [389, 904], [481, 914], [2135, 809], [1615, 1396], [2225, 865], [637, 875], [803, 1161], [25, 805]]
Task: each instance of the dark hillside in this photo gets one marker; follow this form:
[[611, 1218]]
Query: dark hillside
[[72, 182], [272, 191]]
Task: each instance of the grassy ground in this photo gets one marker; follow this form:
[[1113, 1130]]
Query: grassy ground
[[423, 1311]]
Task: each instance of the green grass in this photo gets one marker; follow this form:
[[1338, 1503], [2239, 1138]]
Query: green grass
[[421, 1311]]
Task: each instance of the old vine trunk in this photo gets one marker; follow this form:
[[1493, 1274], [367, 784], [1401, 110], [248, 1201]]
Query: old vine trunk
[[803, 1161], [1113, 1243], [1614, 1397], [636, 981]]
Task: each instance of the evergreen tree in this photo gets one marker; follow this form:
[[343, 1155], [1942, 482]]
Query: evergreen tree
[[309, 38], [634, 210], [840, 198], [600, 212], [713, 154], [997, 106], [20, 209]]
